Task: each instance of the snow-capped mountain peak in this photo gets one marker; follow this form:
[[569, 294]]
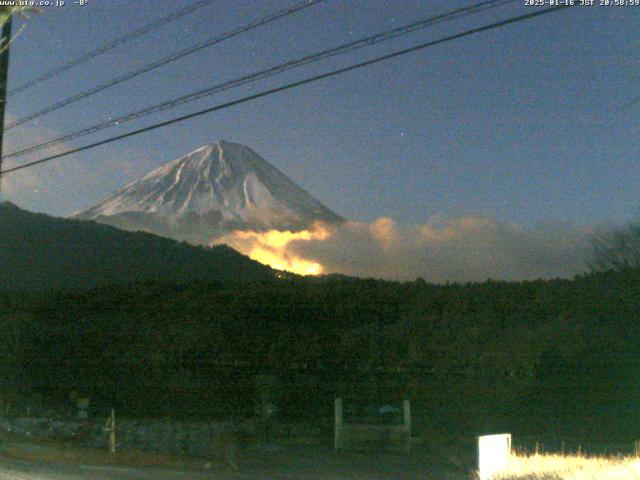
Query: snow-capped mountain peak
[[209, 192]]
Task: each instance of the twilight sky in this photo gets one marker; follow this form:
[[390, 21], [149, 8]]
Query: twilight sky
[[525, 125]]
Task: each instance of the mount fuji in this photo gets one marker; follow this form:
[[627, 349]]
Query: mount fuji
[[212, 191]]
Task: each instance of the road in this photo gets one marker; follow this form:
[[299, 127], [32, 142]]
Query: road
[[18, 470], [303, 464]]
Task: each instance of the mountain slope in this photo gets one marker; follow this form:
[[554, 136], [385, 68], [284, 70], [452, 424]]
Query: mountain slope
[[208, 193], [38, 252]]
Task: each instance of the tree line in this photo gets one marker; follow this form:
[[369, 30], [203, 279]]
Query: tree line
[[559, 354]]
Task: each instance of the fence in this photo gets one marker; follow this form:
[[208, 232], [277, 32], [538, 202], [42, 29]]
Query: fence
[[372, 436]]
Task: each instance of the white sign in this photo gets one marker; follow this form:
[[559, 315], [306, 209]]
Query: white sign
[[493, 454]]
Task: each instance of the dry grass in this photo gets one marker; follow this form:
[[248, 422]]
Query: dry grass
[[571, 467]]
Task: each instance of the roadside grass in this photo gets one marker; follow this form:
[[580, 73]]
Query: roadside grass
[[570, 467]]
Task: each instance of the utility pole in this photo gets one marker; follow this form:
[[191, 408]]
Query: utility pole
[[4, 71]]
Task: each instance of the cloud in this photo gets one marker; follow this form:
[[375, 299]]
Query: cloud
[[271, 248], [60, 186], [448, 249]]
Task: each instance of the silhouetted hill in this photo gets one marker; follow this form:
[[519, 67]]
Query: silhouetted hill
[[39, 252]]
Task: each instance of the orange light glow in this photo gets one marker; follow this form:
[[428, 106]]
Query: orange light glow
[[270, 248]]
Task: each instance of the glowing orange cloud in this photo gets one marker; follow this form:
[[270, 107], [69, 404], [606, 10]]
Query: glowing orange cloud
[[270, 248]]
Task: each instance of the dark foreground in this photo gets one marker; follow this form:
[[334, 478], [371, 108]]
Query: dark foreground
[[303, 463]]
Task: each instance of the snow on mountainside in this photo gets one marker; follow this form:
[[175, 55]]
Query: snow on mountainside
[[208, 193]]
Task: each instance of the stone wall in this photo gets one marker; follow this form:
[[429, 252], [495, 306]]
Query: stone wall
[[199, 439], [163, 436]]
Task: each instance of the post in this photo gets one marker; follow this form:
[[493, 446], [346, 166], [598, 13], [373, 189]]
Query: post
[[4, 74], [337, 435], [110, 428], [112, 434], [407, 422], [82, 405]]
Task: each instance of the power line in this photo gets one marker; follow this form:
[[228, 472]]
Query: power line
[[290, 86], [166, 60], [110, 46], [253, 77]]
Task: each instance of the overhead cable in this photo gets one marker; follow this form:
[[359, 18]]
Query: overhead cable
[[110, 46], [164, 61], [292, 85], [262, 74]]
